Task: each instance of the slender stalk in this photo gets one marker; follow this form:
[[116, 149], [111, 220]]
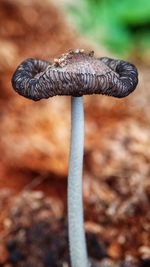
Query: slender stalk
[[77, 242]]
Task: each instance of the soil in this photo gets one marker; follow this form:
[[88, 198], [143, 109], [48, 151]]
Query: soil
[[34, 148]]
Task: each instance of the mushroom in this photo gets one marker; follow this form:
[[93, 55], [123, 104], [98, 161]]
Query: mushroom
[[75, 73]]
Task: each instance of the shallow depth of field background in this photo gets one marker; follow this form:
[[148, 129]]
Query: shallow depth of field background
[[34, 137]]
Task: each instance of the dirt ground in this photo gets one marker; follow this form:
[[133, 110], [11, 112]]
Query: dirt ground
[[34, 144]]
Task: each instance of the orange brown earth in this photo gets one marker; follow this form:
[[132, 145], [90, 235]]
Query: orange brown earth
[[34, 148]]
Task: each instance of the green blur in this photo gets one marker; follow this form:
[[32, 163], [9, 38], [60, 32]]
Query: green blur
[[122, 26]]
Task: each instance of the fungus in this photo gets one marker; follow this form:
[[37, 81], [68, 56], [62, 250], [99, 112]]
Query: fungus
[[75, 73]]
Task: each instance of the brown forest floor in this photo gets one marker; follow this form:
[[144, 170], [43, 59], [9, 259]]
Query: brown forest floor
[[34, 148]]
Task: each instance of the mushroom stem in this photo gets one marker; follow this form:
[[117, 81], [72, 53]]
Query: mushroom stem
[[77, 242]]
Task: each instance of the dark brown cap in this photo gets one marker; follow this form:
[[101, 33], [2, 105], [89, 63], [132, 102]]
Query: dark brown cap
[[75, 73]]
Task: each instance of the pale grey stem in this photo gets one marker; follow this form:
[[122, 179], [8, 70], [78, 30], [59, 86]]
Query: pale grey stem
[[77, 242]]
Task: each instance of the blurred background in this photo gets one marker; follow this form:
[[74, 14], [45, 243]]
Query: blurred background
[[34, 137]]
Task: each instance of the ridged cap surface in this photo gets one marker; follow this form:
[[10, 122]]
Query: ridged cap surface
[[75, 73]]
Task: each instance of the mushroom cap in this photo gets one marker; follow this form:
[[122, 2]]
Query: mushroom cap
[[75, 73]]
